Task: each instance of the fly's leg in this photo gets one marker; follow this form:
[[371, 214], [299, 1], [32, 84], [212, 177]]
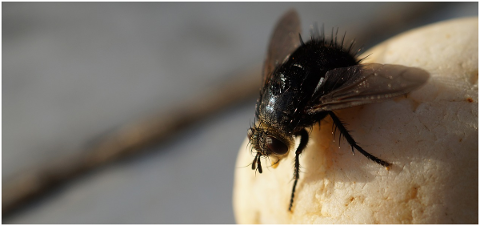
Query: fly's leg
[[303, 143], [352, 142]]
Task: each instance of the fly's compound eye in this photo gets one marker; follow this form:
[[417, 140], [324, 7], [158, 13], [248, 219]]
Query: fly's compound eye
[[276, 146], [250, 133]]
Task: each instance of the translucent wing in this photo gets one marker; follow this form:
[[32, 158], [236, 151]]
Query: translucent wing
[[363, 84], [285, 39]]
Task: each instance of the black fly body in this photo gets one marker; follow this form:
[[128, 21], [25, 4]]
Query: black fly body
[[304, 82]]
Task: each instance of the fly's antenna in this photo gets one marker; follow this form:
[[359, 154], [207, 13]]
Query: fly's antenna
[[259, 167], [256, 165]]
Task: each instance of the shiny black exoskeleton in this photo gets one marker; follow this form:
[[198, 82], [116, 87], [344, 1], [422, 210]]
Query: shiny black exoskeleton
[[304, 82], [283, 101]]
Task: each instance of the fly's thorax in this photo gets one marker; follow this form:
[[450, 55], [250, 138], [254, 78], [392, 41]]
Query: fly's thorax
[[270, 142]]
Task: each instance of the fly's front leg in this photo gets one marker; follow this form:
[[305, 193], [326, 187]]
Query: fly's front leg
[[296, 174], [338, 123]]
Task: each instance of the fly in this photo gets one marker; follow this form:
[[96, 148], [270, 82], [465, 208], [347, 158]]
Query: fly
[[304, 82]]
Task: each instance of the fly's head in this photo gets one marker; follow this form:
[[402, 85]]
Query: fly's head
[[269, 142]]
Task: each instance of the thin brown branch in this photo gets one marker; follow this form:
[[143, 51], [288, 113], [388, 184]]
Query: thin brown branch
[[128, 140]]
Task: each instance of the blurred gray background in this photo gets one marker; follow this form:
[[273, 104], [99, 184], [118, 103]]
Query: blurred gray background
[[73, 72]]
